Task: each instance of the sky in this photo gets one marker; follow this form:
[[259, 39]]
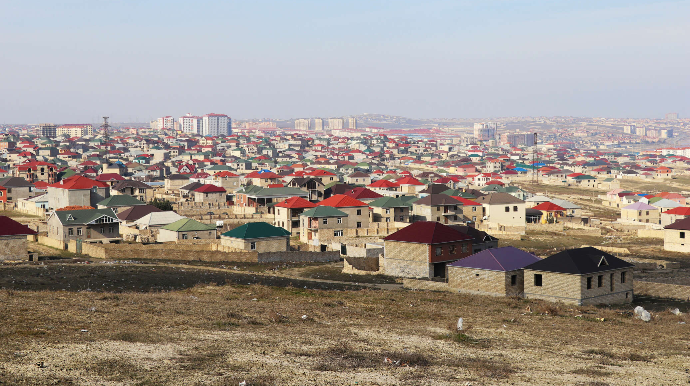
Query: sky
[[75, 61]]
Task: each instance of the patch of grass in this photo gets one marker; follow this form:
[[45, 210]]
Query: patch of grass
[[464, 339], [345, 358], [600, 352], [138, 336], [201, 359], [488, 368], [593, 372], [115, 369]]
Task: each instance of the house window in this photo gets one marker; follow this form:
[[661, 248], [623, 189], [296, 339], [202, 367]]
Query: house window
[[647, 213], [611, 282], [402, 218], [337, 233], [439, 251], [513, 279], [388, 211], [359, 224], [102, 230], [70, 231], [388, 219], [325, 221], [252, 246], [589, 282], [340, 220], [622, 277], [537, 280], [682, 235], [184, 236], [464, 248], [451, 249], [111, 229], [142, 190], [507, 209], [515, 208], [474, 218], [79, 232], [359, 212], [600, 280], [474, 208]]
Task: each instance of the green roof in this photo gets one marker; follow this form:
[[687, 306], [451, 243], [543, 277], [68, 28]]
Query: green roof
[[324, 211], [388, 202], [256, 230], [121, 200], [408, 199], [585, 177], [84, 216], [188, 225]]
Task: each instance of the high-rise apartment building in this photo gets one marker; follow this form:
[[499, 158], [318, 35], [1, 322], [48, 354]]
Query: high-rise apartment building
[[216, 124], [190, 124], [166, 123], [518, 139], [641, 131], [47, 130], [672, 116], [74, 130], [302, 124], [629, 129], [318, 124], [336, 123], [485, 131], [352, 123]]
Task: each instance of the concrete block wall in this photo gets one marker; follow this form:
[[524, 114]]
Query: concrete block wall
[[13, 248], [662, 290], [572, 289], [485, 282]]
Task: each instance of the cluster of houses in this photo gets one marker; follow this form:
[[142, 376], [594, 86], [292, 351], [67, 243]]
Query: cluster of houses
[[431, 205]]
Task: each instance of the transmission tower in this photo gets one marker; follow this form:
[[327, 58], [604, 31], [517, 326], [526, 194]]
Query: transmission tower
[[535, 161], [105, 127]]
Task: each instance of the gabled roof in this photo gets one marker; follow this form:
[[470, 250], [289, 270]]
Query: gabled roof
[[79, 183], [499, 199], [681, 211], [188, 225], [640, 206], [580, 261], [10, 227], [15, 182], [437, 199], [361, 193], [341, 201], [121, 200], [427, 232], [84, 216], [295, 203], [256, 230], [498, 259], [389, 202], [324, 211], [137, 212], [548, 207], [208, 188], [158, 218]]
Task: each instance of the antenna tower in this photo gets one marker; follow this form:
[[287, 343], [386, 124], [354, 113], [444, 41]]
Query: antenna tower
[[105, 127], [535, 161]]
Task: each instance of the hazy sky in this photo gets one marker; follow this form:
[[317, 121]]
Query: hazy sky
[[74, 61]]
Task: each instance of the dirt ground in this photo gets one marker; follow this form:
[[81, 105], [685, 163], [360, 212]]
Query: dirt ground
[[109, 323]]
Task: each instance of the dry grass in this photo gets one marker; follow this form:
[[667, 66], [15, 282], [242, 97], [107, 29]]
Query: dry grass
[[213, 334]]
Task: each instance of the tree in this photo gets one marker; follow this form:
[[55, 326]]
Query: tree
[[162, 204]]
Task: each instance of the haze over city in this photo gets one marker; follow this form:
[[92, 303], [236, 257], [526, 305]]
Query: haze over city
[[74, 61]]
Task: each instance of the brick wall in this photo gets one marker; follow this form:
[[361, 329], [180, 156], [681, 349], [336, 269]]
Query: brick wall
[[365, 264], [53, 243], [572, 289], [427, 285], [485, 282]]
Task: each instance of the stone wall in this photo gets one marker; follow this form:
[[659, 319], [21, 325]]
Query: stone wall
[[428, 285], [45, 240], [662, 290], [572, 289], [485, 282], [650, 233], [406, 259], [298, 257], [362, 265], [13, 248]]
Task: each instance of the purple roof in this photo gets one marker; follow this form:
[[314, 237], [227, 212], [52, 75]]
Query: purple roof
[[497, 259], [640, 206]]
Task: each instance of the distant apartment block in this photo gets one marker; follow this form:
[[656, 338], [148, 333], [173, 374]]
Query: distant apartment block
[[216, 124], [352, 123], [672, 116], [190, 124], [485, 131], [47, 130], [166, 123], [518, 139], [641, 131], [318, 124], [302, 124], [629, 129], [336, 123], [75, 130]]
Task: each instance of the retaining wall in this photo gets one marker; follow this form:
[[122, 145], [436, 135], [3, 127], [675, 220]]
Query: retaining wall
[[651, 233]]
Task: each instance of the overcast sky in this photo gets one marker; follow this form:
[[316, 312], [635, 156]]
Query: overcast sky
[[74, 61]]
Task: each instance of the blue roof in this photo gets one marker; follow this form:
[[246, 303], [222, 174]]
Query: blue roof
[[520, 169], [497, 259], [264, 171]]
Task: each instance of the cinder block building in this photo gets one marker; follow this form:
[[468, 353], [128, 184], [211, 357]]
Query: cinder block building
[[257, 236], [13, 239], [581, 276]]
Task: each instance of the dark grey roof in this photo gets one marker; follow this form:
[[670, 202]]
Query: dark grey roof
[[580, 261]]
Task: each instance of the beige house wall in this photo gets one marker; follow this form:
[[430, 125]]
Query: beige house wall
[[572, 289], [216, 198], [641, 216], [406, 259], [674, 242], [165, 235], [379, 214], [269, 244], [485, 282], [514, 217]]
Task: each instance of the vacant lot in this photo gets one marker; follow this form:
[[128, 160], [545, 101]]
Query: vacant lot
[[132, 324]]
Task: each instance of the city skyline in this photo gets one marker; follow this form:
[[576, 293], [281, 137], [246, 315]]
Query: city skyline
[[488, 59]]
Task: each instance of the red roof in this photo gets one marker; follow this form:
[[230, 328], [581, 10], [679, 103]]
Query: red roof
[[383, 184], [208, 188], [408, 181], [9, 227], [225, 173], [341, 201], [362, 193], [548, 207], [296, 203], [466, 201], [266, 175], [427, 232], [681, 210], [78, 182]]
